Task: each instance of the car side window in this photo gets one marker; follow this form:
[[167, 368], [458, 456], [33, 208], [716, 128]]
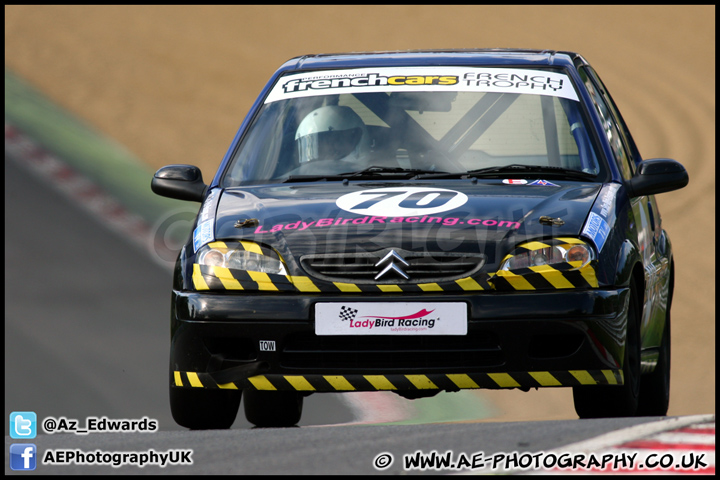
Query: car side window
[[624, 131], [610, 127]]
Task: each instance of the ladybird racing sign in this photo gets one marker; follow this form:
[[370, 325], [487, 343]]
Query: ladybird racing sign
[[391, 318]]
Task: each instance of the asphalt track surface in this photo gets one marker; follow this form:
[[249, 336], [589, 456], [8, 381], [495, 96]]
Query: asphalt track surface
[[87, 315], [344, 450]]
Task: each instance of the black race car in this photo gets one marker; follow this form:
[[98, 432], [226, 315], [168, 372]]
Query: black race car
[[419, 222]]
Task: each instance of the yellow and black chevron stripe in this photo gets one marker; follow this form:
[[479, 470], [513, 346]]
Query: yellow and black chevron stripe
[[207, 277], [220, 278], [546, 277], [372, 383], [557, 276]]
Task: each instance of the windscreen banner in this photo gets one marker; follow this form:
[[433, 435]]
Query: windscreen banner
[[422, 79]]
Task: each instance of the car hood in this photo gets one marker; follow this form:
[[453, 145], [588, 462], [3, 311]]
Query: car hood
[[489, 217]]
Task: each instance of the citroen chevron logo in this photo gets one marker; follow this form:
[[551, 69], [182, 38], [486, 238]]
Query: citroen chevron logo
[[390, 259]]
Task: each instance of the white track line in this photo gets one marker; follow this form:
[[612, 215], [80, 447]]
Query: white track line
[[649, 443], [635, 432]]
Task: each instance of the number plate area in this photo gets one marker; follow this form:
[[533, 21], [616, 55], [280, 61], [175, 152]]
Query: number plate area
[[390, 318]]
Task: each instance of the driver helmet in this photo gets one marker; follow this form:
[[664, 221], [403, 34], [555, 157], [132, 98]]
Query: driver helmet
[[332, 132]]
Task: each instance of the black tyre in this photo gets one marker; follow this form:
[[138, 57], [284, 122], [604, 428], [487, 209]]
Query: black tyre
[[655, 386], [204, 409], [273, 409], [612, 401]]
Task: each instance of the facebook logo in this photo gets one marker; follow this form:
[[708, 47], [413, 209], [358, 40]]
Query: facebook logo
[[23, 456], [23, 425]]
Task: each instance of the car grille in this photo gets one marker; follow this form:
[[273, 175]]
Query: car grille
[[422, 267], [308, 351]]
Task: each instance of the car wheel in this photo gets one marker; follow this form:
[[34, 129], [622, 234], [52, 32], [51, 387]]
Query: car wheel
[[273, 409], [204, 409], [613, 401], [655, 386]]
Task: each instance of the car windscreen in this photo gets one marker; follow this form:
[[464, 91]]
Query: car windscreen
[[414, 119]]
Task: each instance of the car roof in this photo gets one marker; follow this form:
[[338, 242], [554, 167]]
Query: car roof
[[497, 56]]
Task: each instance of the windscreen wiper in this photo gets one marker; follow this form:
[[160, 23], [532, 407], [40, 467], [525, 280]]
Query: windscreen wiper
[[531, 169], [383, 171], [313, 178], [516, 168], [369, 172]]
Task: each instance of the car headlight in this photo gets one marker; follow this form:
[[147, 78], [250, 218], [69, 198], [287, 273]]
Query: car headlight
[[222, 254], [570, 251]]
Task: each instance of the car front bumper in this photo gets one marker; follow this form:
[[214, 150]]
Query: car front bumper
[[514, 340]]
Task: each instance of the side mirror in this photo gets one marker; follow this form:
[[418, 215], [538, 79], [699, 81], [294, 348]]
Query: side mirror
[[658, 175], [182, 182]]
